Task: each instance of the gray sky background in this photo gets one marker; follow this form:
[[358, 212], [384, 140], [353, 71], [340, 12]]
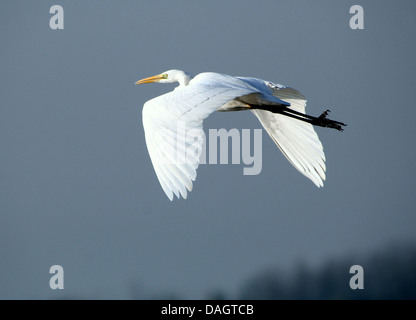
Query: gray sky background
[[77, 187]]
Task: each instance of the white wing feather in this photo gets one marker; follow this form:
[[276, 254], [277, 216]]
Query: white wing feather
[[296, 139]]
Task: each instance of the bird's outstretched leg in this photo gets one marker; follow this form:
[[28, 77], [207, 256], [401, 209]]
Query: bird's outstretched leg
[[321, 121]]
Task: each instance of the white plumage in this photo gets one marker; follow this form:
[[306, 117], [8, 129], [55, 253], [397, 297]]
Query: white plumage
[[174, 132]]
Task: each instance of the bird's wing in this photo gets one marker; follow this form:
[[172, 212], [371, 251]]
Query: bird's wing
[[296, 139], [173, 127]]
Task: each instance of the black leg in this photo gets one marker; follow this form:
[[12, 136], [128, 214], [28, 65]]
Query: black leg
[[321, 121]]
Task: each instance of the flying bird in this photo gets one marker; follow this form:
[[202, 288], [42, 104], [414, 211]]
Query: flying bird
[[173, 124]]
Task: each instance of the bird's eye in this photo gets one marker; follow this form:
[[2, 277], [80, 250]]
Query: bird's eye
[[165, 76]]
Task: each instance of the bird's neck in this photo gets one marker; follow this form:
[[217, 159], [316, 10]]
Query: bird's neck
[[184, 80]]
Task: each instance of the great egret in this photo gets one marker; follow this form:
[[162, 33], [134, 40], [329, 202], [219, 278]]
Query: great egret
[[280, 109]]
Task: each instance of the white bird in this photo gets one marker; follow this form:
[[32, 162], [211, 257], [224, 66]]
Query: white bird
[[173, 124]]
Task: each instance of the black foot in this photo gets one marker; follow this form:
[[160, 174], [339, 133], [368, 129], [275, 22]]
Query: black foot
[[324, 114], [323, 121]]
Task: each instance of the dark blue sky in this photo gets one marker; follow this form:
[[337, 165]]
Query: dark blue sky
[[77, 187]]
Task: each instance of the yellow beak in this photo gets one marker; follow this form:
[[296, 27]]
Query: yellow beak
[[150, 79]]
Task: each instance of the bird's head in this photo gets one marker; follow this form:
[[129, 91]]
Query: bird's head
[[168, 77]]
